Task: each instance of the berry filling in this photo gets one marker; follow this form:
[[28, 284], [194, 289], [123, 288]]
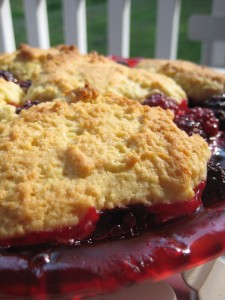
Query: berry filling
[[129, 62], [135, 219], [192, 120], [69, 235], [198, 120], [67, 272], [215, 183], [166, 103], [217, 105], [118, 223]]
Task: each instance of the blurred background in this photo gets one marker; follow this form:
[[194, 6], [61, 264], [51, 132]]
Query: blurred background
[[143, 22]]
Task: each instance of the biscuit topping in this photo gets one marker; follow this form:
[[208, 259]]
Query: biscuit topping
[[199, 82], [59, 160]]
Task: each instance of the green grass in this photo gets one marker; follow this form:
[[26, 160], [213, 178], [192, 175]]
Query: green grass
[[143, 20]]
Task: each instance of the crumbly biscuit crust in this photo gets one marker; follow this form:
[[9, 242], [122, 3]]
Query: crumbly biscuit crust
[[62, 74], [26, 63], [11, 93], [199, 82], [58, 71], [58, 159]]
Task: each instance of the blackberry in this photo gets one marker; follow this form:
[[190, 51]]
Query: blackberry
[[8, 76], [198, 120], [162, 101], [192, 120], [215, 184], [27, 105], [217, 105], [25, 84]]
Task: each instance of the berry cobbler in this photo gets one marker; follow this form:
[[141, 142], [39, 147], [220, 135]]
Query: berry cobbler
[[96, 155]]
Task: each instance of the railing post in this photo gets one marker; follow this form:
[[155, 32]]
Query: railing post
[[75, 28], [167, 28], [119, 27], [7, 40], [37, 23], [213, 53]]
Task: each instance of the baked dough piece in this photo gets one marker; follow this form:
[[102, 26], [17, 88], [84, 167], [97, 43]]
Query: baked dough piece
[[62, 74], [7, 112], [58, 71], [199, 82], [59, 159], [11, 95], [26, 63], [11, 92]]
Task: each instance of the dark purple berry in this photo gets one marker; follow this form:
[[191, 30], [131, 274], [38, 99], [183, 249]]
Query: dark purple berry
[[198, 120], [162, 101], [25, 84], [192, 120], [129, 219], [27, 105], [122, 62], [217, 104], [215, 184], [8, 76], [117, 231], [217, 101]]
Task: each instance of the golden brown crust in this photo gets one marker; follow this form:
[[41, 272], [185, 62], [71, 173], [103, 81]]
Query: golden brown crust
[[199, 82], [10, 92], [11, 95], [7, 112], [26, 63], [62, 74], [63, 69], [96, 149], [59, 159]]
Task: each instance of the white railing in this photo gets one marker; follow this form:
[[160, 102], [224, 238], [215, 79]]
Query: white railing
[[75, 28], [167, 28], [37, 23], [119, 27], [7, 39], [207, 29], [210, 30]]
